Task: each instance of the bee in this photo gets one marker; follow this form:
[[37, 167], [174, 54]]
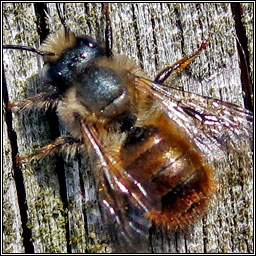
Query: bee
[[148, 142]]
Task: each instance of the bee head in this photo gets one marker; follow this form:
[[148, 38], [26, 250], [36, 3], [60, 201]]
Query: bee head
[[71, 56], [65, 55]]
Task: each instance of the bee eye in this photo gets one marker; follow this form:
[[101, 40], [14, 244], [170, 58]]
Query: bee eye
[[92, 45], [88, 41]]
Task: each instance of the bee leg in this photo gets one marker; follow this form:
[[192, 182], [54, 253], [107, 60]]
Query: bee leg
[[179, 65], [63, 143], [108, 32], [40, 101]]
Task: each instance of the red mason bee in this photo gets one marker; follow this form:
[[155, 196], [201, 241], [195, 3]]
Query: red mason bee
[[149, 143]]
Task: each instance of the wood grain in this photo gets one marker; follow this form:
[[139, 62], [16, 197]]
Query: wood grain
[[62, 212]]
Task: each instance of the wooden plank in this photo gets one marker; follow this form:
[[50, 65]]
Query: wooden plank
[[12, 235], [154, 35], [45, 215]]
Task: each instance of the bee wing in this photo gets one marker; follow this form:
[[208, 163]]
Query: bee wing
[[213, 125], [124, 200]]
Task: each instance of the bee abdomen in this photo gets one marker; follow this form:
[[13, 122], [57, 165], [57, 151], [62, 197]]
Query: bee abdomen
[[187, 201], [184, 182]]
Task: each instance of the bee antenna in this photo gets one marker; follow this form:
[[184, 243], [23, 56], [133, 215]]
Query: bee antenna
[[27, 48], [62, 20]]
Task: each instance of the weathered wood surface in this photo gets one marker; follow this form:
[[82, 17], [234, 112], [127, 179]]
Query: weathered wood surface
[[62, 213]]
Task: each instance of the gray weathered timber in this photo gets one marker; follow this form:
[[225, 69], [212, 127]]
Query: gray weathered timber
[[154, 35]]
